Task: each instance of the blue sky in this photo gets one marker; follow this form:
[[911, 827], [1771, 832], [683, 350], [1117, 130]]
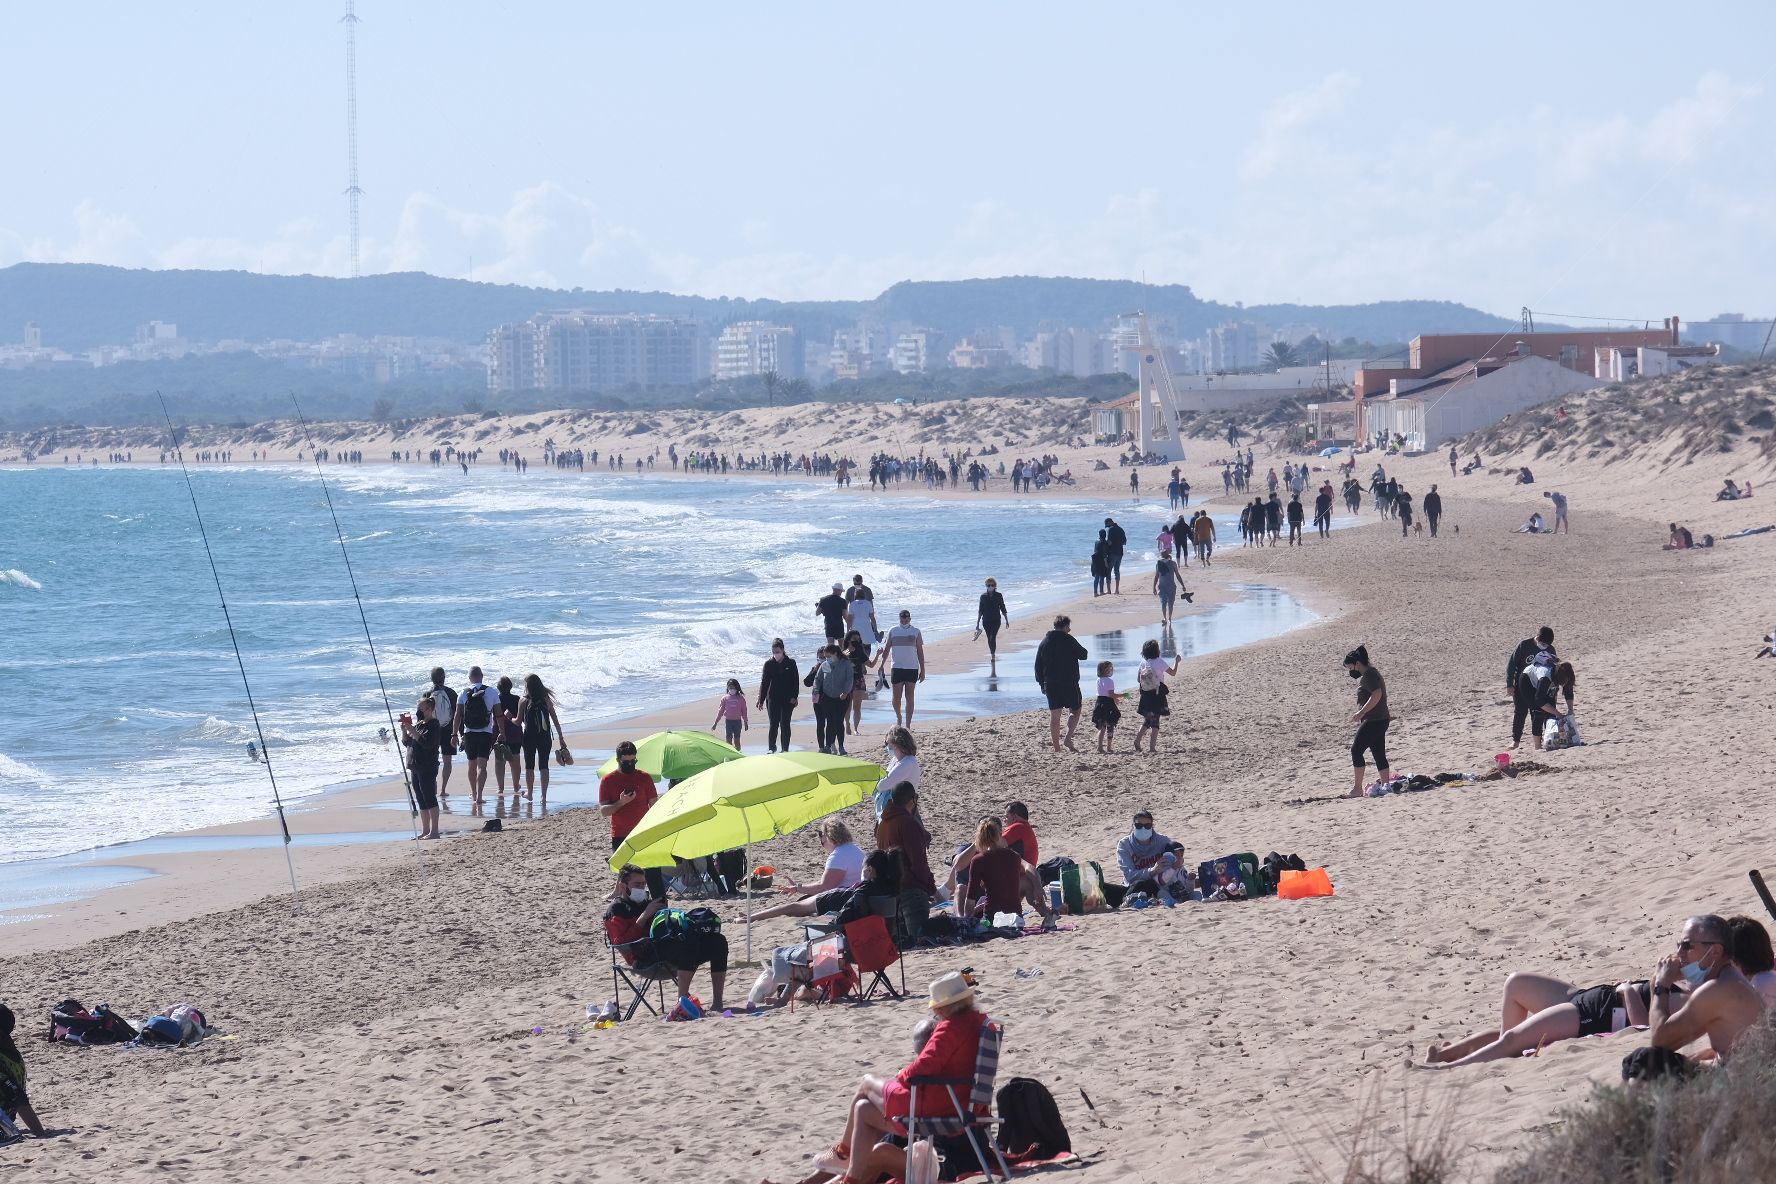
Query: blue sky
[[1609, 160]]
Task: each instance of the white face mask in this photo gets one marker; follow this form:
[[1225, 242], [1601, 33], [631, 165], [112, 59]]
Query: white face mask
[[638, 895], [1143, 833]]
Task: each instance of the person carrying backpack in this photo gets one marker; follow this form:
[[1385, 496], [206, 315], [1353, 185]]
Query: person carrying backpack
[[476, 714]]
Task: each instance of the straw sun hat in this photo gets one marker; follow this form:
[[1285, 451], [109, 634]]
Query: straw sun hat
[[950, 989]]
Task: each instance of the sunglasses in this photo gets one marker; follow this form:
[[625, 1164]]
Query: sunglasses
[[1686, 946]]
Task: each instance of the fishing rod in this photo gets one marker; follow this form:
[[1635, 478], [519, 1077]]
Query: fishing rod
[[264, 749], [344, 553]]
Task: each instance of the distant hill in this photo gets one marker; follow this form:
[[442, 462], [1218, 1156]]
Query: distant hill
[[82, 305]]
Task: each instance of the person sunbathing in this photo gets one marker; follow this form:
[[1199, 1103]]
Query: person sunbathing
[[1720, 1003], [1539, 1010], [881, 1106]]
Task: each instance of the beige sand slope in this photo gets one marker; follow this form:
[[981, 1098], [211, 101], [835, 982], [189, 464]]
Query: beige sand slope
[[390, 1028]]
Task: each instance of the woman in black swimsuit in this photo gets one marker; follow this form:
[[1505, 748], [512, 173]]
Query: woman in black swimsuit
[[536, 712], [1539, 1010], [989, 616]]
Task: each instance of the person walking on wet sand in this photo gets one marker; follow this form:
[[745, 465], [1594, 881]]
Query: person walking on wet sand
[[1372, 717], [1057, 674], [903, 652], [1167, 584], [1118, 539], [988, 617]]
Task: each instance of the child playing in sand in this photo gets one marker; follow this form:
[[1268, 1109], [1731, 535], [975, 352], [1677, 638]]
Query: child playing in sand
[[732, 708], [1105, 713]]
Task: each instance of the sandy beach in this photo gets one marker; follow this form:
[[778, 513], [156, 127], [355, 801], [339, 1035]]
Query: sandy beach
[[427, 1017]]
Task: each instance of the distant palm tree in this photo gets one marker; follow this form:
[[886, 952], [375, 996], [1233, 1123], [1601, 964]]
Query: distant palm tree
[[1280, 354], [769, 380]]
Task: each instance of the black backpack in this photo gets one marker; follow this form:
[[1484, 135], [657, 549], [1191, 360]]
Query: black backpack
[[1274, 865], [474, 708], [71, 1022], [1030, 1125]]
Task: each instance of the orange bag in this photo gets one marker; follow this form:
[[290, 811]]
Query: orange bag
[[1301, 885]]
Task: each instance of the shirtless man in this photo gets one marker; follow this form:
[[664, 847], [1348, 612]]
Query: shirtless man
[[1721, 1003]]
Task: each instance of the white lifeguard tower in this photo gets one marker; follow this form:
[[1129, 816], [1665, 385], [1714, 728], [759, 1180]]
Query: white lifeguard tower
[[1156, 401]]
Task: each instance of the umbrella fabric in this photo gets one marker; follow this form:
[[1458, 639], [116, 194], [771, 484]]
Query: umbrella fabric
[[674, 755], [743, 802]]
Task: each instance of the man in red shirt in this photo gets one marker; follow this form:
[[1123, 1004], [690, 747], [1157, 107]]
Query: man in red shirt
[[1019, 835], [624, 797]]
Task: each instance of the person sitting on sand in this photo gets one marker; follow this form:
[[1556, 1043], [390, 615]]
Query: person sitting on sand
[[1533, 526], [844, 863], [1720, 1004], [1151, 862], [15, 1103], [997, 880], [791, 964], [1680, 538], [881, 1105], [1731, 492], [1753, 956], [628, 922], [1769, 650]]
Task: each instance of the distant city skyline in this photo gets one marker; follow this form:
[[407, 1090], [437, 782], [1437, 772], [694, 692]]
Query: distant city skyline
[[1264, 154]]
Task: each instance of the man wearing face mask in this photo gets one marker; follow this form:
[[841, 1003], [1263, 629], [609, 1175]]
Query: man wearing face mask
[[1150, 861], [626, 923], [624, 796], [1720, 1003]]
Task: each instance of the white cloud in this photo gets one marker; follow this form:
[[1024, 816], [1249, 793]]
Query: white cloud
[[1278, 135]]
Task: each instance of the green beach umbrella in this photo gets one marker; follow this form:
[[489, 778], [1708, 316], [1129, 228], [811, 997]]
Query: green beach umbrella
[[674, 755], [744, 802]]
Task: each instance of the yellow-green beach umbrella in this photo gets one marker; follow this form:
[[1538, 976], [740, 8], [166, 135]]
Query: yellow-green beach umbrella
[[676, 754], [744, 802]]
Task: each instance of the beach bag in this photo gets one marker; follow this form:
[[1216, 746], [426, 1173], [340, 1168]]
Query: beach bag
[[1030, 1125], [1551, 735], [826, 959], [1301, 885], [474, 710], [1082, 889], [1231, 871], [922, 1166], [1573, 739], [1273, 867], [163, 1029], [671, 924], [72, 1023]]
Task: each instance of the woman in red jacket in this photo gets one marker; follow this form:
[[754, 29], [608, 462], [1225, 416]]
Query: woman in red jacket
[[881, 1106]]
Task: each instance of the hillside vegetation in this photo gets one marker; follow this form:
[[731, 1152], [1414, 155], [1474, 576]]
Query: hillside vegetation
[[1674, 420]]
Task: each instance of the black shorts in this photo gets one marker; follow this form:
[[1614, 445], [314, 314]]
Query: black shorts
[[477, 745], [901, 674], [1063, 697], [447, 749], [1597, 1009], [537, 750], [425, 787]]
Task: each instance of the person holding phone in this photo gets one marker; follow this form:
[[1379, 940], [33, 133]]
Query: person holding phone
[[424, 740], [624, 795]]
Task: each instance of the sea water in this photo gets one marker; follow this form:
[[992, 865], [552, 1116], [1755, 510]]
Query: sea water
[[127, 717]]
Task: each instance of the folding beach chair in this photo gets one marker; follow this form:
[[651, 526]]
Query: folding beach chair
[[872, 950], [975, 1120], [638, 978]]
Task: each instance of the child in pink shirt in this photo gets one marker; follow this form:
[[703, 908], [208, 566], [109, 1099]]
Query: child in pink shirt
[[732, 708]]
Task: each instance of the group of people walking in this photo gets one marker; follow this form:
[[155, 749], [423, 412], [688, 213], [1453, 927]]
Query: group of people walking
[[515, 731]]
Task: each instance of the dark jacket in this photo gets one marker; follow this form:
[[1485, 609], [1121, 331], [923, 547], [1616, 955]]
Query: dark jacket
[[1119, 539], [1057, 660], [1526, 649], [900, 830], [1433, 504], [781, 681]]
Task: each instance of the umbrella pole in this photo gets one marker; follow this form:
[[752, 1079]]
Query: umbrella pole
[[747, 856]]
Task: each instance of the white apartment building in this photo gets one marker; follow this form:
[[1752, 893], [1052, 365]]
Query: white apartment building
[[917, 351], [1232, 345], [750, 348], [1078, 352], [575, 350]]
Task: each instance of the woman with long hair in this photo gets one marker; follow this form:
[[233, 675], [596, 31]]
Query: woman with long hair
[[508, 738], [537, 711], [854, 649]]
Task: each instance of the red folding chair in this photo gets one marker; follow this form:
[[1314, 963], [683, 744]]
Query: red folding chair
[[872, 952]]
